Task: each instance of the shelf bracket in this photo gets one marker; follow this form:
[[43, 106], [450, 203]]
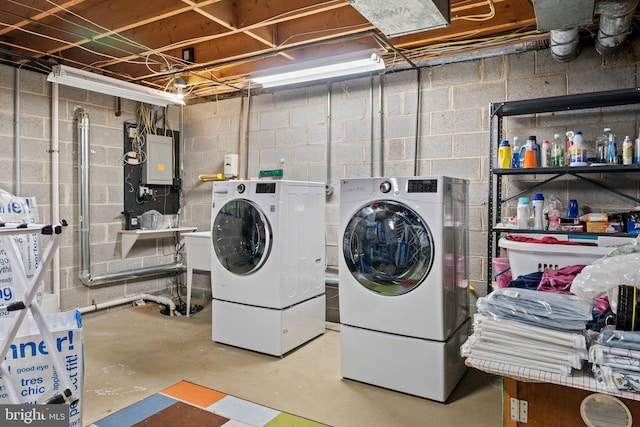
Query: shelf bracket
[[606, 187]]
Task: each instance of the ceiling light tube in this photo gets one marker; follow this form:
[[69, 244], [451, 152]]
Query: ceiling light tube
[[81, 79], [336, 66]]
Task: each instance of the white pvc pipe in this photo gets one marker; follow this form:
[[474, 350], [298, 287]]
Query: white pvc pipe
[[55, 186], [126, 300], [16, 131]]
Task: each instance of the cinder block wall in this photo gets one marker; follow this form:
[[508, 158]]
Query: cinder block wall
[[106, 195], [453, 138], [293, 125]]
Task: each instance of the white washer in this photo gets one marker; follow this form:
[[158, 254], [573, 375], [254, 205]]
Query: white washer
[[268, 264], [403, 282]]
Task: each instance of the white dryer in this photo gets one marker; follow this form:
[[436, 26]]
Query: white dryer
[[404, 309], [268, 264]]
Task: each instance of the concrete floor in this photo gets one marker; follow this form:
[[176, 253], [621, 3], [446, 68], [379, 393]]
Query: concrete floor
[[132, 353]]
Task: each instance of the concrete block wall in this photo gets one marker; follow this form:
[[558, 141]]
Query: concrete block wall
[[106, 181], [292, 124], [320, 133]]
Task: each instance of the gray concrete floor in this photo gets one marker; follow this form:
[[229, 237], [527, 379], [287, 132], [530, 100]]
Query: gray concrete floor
[[134, 352]]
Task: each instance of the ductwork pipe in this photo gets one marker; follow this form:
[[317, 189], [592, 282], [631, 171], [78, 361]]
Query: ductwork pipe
[[87, 279], [615, 23], [564, 44]]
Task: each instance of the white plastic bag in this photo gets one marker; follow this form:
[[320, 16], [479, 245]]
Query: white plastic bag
[[14, 209], [602, 277], [29, 361]]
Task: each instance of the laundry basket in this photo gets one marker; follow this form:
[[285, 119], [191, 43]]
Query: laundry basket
[[526, 258]]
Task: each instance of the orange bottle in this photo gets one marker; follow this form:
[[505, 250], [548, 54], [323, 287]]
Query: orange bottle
[[530, 158]]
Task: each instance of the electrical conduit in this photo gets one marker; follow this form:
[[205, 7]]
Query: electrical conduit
[[86, 277]]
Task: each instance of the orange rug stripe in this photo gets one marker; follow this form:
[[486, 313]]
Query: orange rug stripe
[[193, 393]]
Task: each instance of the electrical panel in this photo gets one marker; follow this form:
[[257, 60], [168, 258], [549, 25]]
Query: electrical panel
[[158, 166], [140, 195]]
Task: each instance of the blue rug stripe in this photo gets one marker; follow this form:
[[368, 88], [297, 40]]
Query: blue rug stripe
[[137, 412], [243, 410]]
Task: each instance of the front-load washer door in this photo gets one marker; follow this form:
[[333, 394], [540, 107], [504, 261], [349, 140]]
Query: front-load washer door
[[388, 248], [241, 237]]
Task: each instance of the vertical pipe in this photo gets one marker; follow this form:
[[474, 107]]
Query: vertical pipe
[[240, 137], [371, 142], [55, 185], [328, 135], [381, 107], [418, 111], [616, 18], [16, 130], [82, 118], [247, 128]]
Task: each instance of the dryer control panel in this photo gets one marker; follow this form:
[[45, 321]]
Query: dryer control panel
[[422, 186]]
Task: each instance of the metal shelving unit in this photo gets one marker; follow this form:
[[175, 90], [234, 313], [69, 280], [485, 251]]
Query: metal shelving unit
[[500, 110]]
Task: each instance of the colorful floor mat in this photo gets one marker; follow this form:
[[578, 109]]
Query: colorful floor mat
[[190, 405]]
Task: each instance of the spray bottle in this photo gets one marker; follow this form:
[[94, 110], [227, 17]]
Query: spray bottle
[[612, 149]]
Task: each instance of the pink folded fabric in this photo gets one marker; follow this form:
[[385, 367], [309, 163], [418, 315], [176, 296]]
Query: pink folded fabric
[[545, 240], [559, 281]]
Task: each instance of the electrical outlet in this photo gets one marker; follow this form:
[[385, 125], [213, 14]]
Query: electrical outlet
[[143, 191]]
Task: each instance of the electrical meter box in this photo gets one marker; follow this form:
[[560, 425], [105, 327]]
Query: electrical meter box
[[158, 166]]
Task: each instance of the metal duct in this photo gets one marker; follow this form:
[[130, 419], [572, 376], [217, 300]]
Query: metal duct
[[406, 17], [615, 23], [87, 279], [564, 44], [553, 15]]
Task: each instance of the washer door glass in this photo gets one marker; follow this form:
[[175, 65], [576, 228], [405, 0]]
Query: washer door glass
[[388, 248], [241, 236]]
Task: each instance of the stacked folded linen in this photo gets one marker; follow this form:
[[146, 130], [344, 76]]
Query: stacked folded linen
[[561, 312], [530, 329], [615, 358], [527, 346]]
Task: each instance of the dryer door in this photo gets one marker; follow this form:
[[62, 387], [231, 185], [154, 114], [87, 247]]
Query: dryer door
[[388, 247], [241, 236]]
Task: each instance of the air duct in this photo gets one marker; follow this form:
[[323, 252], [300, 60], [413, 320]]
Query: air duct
[[85, 225], [564, 44], [406, 17], [615, 23]]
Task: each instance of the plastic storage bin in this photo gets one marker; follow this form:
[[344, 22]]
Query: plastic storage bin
[[526, 258]]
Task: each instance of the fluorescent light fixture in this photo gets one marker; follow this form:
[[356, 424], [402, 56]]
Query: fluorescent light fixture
[[180, 84], [335, 66], [81, 79]]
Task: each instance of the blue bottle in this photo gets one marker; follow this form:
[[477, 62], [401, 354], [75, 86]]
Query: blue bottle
[[515, 156], [612, 150]]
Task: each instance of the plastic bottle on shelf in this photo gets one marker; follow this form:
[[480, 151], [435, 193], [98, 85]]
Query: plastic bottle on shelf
[[533, 142], [601, 148], [538, 206], [627, 151], [515, 156], [545, 154], [636, 151], [554, 218], [612, 149], [578, 153], [504, 155], [530, 156], [567, 149], [523, 213], [557, 153]]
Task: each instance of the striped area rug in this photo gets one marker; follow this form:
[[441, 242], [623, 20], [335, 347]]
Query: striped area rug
[[189, 405]]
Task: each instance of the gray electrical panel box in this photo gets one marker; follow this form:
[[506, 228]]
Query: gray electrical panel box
[[158, 166]]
